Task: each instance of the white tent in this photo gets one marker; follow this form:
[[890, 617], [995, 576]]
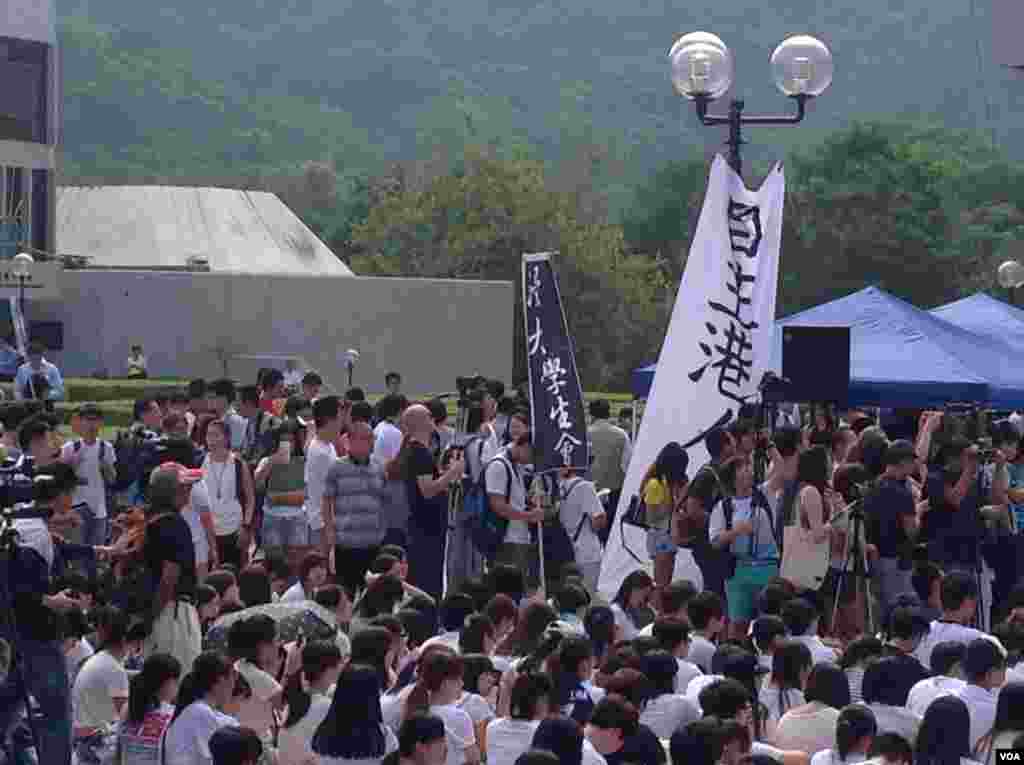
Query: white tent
[[236, 231]]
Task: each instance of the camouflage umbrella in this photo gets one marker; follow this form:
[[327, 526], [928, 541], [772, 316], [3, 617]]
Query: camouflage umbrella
[[304, 618]]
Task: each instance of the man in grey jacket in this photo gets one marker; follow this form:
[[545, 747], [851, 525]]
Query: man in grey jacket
[[353, 508]]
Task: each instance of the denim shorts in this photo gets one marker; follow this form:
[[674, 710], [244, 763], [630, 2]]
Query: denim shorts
[[285, 531], [659, 542]]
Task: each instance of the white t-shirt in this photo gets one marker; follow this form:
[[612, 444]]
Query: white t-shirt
[[579, 501], [294, 594], [476, 706], [222, 495], [831, 757], [926, 691], [811, 730], [668, 713], [896, 720], [687, 671], [73, 659], [508, 738], [390, 745], [698, 684], [320, 457], [776, 704], [387, 441], [624, 622], [701, 651], [100, 680], [392, 707], [941, 632], [94, 493], [257, 711], [496, 479], [458, 729], [295, 743], [761, 542], [199, 503], [982, 706], [187, 740]]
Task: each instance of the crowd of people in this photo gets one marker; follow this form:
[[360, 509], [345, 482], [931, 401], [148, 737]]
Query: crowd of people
[[847, 597]]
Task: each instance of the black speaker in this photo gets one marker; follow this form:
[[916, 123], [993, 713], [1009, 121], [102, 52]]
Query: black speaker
[[816, 362]]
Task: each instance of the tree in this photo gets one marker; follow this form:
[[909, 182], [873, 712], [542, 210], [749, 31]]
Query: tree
[[478, 223]]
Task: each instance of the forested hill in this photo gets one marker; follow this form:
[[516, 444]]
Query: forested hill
[[209, 86]]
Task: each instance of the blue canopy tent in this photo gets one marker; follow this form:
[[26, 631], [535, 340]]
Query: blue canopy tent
[[986, 315], [902, 356]]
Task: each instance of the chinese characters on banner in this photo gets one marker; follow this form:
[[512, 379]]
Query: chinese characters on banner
[[559, 424], [718, 344]]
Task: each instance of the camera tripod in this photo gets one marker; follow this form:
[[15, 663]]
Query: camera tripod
[[855, 565]]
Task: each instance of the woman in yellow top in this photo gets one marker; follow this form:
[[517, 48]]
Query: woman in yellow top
[[664, 491]]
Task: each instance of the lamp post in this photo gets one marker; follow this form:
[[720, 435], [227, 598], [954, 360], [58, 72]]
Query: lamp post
[[702, 71], [1011, 277], [351, 357], [23, 263]]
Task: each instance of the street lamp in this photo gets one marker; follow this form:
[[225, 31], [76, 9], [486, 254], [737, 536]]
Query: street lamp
[[351, 357], [1011, 277], [22, 268], [702, 71]]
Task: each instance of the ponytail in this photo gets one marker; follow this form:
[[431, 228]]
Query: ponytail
[[855, 722], [297, 699], [434, 670], [144, 688], [210, 667], [418, 701]]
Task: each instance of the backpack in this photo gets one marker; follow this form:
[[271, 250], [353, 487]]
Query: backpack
[[486, 528], [559, 547], [758, 502]]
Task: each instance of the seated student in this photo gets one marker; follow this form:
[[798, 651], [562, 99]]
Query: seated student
[[232, 745], [477, 636], [226, 585], [617, 734], [570, 601], [76, 647], [673, 635], [947, 677], [899, 666], [888, 702], [854, 731], [767, 633], [571, 667], [784, 688], [252, 642], [630, 604], [439, 685], [801, 620], [707, 619], [335, 599], [891, 749], [150, 708], [985, 672], [312, 574], [479, 697], [858, 656], [100, 692], [672, 602], [306, 695], [959, 595], [204, 691], [665, 711], [523, 706], [729, 700], [811, 728]]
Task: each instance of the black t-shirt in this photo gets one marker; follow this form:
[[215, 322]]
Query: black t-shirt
[[428, 515], [884, 510], [642, 748], [953, 533], [170, 539]]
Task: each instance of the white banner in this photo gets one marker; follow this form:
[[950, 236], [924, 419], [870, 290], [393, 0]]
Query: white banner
[[718, 343]]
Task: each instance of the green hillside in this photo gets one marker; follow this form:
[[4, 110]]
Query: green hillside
[[184, 86]]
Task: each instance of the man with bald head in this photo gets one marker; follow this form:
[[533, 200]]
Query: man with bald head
[[353, 508], [428, 500]]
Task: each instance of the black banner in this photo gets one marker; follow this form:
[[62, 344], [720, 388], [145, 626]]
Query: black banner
[[556, 399]]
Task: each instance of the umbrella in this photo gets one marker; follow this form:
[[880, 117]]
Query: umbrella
[[305, 618]]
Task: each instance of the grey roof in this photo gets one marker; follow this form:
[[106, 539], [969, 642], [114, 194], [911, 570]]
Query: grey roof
[[28, 20], [236, 231]]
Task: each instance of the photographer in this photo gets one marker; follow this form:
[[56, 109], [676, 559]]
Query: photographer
[[958, 488], [38, 558], [893, 524]]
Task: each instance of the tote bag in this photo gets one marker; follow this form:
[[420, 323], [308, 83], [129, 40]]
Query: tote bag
[[804, 561]]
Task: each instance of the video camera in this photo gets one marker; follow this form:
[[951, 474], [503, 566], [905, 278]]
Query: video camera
[[470, 388], [17, 484]]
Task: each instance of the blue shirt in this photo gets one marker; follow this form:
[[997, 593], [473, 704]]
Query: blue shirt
[[52, 374]]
